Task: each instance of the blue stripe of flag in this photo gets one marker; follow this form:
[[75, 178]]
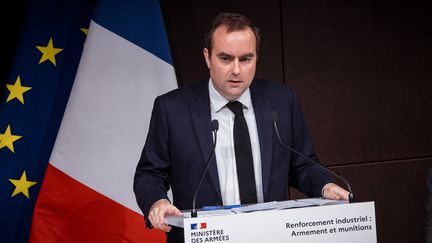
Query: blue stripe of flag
[[138, 21]]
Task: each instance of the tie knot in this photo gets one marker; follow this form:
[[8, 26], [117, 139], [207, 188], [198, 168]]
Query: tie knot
[[236, 107]]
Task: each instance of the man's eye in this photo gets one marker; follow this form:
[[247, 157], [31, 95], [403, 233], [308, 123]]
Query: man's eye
[[225, 59], [246, 59]]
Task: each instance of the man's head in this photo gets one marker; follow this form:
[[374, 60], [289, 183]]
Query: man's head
[[231, 52]]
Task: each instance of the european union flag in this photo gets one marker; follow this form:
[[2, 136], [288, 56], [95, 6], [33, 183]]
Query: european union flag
[[31, 109]]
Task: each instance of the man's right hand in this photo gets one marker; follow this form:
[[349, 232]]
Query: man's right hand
[[159, 210]]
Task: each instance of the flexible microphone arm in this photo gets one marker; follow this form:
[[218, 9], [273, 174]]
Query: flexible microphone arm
[[275, 119], [215, 128]]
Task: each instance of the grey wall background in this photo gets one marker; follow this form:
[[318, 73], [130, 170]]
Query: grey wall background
[[362, 72]]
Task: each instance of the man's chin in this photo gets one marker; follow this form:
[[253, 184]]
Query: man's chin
[[235, 94]]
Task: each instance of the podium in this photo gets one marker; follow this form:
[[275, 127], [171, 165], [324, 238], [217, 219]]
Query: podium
[[298, 221]]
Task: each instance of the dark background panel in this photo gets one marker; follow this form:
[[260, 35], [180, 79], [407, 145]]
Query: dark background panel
[[188, 21], [362, 71], [11, 30], [399, 191]]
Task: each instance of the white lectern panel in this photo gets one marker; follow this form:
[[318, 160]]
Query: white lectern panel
[[354, 223]]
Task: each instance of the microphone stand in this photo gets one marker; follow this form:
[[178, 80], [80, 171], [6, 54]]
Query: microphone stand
[[275, 119], [215, 128]]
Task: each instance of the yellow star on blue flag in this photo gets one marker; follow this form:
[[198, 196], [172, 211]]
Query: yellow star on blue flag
[[22, 185], [49, 52], [41, 76], [7, 139], [84, 30], [16, 90]]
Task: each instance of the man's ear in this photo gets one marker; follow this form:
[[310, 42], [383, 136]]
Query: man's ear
[[206, 57]]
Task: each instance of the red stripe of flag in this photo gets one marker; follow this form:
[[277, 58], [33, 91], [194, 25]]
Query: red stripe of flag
[[69, 211]]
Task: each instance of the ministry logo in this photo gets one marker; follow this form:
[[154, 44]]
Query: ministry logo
[[202, 225]]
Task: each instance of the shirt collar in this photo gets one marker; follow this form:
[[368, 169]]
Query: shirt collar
[[218, 101]]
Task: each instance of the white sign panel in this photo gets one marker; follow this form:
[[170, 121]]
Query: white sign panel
[[354, 223]]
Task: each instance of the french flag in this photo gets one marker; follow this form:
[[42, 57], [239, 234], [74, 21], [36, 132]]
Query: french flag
[[87, 193]]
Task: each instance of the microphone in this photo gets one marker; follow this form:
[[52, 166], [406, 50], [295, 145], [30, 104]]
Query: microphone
[[215, 128], [275, 120]]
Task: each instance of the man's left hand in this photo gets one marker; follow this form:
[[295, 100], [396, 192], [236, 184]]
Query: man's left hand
[[335, 192]]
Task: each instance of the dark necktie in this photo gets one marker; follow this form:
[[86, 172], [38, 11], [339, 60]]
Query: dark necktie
[[243, 155]]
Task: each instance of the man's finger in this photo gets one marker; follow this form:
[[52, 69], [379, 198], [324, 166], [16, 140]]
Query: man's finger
[[159, 211], [165, 227], [164, 210], [340, 193], [174, 211], [154, 216]]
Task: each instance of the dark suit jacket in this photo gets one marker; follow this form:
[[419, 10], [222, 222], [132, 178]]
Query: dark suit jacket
[[180, 140]]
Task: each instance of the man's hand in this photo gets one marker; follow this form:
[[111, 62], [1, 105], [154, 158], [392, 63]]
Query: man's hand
[[335, 192], [158, 211]]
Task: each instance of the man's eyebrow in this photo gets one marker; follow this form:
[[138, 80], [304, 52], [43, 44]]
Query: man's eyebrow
[[223, 54], [247, 55]]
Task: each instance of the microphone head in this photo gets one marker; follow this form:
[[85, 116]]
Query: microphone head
[[215, 125], [274, 116]]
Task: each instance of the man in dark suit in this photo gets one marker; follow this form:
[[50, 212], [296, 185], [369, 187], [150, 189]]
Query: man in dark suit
[[180, 136]]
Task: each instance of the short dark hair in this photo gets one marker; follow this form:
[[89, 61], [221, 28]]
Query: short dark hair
[[232, 22]]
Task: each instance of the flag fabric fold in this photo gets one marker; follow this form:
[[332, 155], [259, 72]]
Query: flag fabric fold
[[124, 66], [87, 193]]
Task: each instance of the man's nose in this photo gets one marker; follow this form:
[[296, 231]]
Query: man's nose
[[236, 67]]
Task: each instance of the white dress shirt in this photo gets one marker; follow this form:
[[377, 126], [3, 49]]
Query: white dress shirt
[[225, 155]]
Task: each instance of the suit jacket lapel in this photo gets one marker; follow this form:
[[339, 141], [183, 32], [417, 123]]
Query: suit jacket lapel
[[262, 107], [201, 117]]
